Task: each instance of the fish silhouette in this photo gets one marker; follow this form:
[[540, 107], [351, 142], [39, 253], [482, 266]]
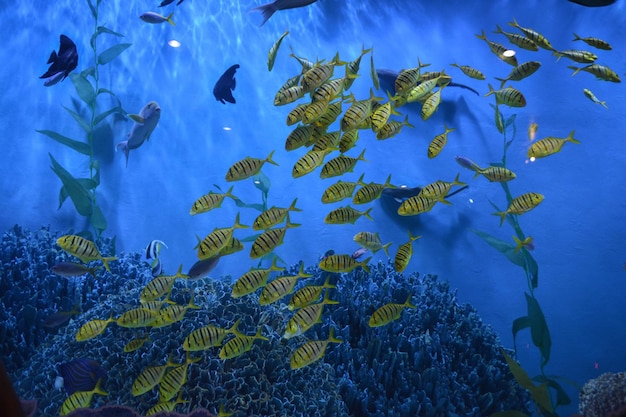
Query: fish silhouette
[[388, 77], [166, 2], [63, 62], [224, 86], [270, 8]]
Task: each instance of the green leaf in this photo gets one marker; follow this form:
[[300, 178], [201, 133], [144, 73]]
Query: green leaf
[[519, 324], [97, 220], [503, 247], [112, 53], [95, 165], [262, 182], [83, 87], [539, 329], [561, 396], [74, 144], [76, 191], [99, 31], [79, 120], [240, 203], [105, 114], [510, 120], [94, 11], [89, 71], [86, 182], [106, 90], [531, 268], [498, 118], [251, 238]]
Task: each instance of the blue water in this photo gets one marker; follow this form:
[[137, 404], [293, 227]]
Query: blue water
[[579, 230]]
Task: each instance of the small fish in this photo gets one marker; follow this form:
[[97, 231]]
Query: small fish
[[392, 128], [135, 344], [593, 98], [166, 406], [247, 167], [60, 317], [373, 73], [532, 131], [470, 71], [63, 62], [439, 142], [306, 317], [269, 9], [508, 96], [73, 269], [173, 314], [521, 41], [83, 249], [319, 74], [342, 263], [520, 72], [527, 243], [240, 344], [583, 57], [467, 163], [207, 337], [548, 146], [212, 245], [439, 189], [371, 241], [308, 295], [174, 379], [496, 173], [312, 351], [595, 42], [281, 287], [202, 268], [271, 56], [352, 69], [600, 71], [341, 165], [80, 399], [520, 205], [498, 50], [267, 241], [150, 377], [145, 123], [155, 18], [154, 249], [253, 280], [93, 328], [137, 317], [223, 89], [347, 214], [80, 374], [413, 206], [359, 253], [536, 37], [431, 104], [288, 95], [210, 201], [372, 191], [340, 190], [160, 286], [404, 254], [388, 313]]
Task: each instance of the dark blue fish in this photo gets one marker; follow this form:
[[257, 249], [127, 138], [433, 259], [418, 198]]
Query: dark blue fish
[[63, 62], [388, 77], [166, 2], [60, 317], [269, 9], [593, 3], [202, 268], [81, 374], [224, 86]]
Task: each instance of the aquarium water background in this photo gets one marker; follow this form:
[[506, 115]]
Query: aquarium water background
[[579, 230]]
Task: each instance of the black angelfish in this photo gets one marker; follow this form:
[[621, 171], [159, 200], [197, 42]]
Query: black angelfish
[[269, 9], [224, 86], [166, 2], [63, 62]]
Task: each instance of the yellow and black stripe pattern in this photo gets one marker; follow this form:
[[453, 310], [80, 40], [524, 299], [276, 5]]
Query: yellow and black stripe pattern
[[288, 95], [296, 114], [329, 140], [306, 317], [439, 189], [253, 280], [329, 90], [80, 399], [340, 190], [392, 128], [370, 192], [508, 96], [404, 254], [161, 407], [83, 249], [471, 71], [595, 42], [299, 137], [548, 146], [534, 36], [388, 313], [316, 76], [92, 329], [498, 50], [217, 240], [431, 104], [172, 314], [240, 344], [247, 167], [348, 140], [210, 201], [600, 71], [347, 214], [157, 288], [269, 240], [273, 216], [340, 165], [150, 378], [520, 72], [312, 351], [308, 162], [330, 115], [135, 344], [342, 263], [308, 295], [521, 41], [207, 336], [173, 380], [137, 317], [496, 174], [416, 205], [281, 286], [521, 205], [314, 111]]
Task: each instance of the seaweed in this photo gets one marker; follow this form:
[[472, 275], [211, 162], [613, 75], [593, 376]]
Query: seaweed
[[82, 190], [549, 394]]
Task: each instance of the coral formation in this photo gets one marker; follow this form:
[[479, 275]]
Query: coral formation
[[439, 359], [604, 396], [122, 411]]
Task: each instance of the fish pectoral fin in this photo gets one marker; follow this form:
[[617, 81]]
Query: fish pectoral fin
[[137, 118]]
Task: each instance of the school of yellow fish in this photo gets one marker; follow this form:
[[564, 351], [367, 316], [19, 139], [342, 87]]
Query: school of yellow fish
[[314, 118]]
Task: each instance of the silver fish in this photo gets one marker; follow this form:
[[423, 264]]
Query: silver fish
[[145, 122], [72, 269], [155, 18]]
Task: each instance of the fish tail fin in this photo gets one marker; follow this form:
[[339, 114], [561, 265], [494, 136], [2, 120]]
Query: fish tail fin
[[106, 260], [123, 146], [558, 55], [93, 270], [456, 180], [270, 160], [238, 225], [364, 266], [499, 30], [53, 57], [571, 138], [366, 213], [259, 334], [502, 81], [407, 303], [193, 305], [332, 338], [603, 103], [386, 248], [577, 38], [327, 300], [267, 10], [98, 390], [482, 36], [518, 244], [361, 157], [169, 19], [293, 207], [491, 90], [576, 69], [406, 122], [234, 327], [502, 215]]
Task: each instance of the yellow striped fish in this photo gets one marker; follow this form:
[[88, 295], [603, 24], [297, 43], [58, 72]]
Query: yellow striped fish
[[306, 317], [288, 95], [234, 246], [600, 71], [404, 254], [534, 36], [306, 64], [431, 104], [358, 112], [520, 205], [348, 140], [80, 399], [548, 146], [583, 57], [371, 241], [591, 97], [93, 328], [425, 88], [520, 72], [330, 90], [273, 216], [518, 40], [340, 190], [308, 295], [496, 174], [416, 205], [135, 344], [314, 111], [388, 313], [240, 345], [160, 286], [312, 351], [267, 241], [155, 304], [499, 50], [217, 240], [271, 56], [330, 115], [508, 96], [392, 128], [247, 167], [207, 337], [281, 286], [370, 192], [408, 78], [381, 115], [437, 144], [373, 73], [308, 162], [526, 243], [329, 140], [150, 377], [172, 314], [166, 406], [299, 137], [595, 42], [342, 263], [210, 201], [174, 379], [439, 189], [83, 249], [352, 69], [137, 317], [340, 165], [296, 114], [320, 73], [253, 280], [346, 214]]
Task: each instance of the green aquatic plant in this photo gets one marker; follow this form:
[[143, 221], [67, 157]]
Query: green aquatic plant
[[546, 392], [82, 190]]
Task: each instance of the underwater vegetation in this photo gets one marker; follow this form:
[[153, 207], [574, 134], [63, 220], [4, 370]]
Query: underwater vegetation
[[437, 360]]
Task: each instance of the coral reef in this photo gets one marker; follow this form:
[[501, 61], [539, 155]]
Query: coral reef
[[439, 359], [604, 396], [122, 411]]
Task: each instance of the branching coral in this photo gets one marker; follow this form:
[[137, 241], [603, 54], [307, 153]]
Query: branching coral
[[604, 396]]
